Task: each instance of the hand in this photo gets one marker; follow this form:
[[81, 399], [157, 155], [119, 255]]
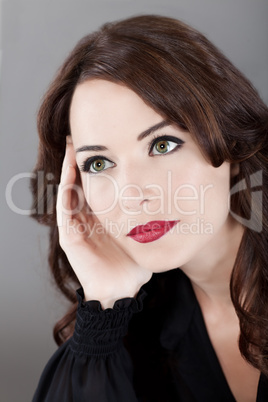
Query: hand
[[104, 270]]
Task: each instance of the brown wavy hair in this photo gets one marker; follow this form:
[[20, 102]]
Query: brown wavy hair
[[186, 79]]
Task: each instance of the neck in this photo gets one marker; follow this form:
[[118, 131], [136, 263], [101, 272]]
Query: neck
[[211, 269]]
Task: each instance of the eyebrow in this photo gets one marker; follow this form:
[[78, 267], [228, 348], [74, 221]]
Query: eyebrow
[[141, 136], [91, 148], [152, 129]]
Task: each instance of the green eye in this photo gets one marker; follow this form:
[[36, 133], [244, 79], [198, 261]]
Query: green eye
[[164, 144], [98, 165], [162, 147]]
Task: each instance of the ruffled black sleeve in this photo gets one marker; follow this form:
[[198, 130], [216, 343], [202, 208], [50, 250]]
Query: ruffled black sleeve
[[94, 364]]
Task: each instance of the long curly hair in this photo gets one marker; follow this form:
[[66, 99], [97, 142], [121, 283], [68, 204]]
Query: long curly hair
[[186, 79]]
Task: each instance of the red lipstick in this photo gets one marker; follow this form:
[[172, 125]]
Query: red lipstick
[[151, 231]]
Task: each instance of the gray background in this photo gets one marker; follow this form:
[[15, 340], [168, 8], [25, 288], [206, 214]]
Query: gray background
[[35, 38]]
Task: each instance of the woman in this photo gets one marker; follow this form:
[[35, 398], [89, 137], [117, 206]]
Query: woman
[[164, 140]]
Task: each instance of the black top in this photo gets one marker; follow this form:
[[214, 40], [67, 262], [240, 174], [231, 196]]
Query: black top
[[162, 353]]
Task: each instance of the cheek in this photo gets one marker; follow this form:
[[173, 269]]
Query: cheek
[[215, 202], [101, 192], [203, 194], [216, 206]]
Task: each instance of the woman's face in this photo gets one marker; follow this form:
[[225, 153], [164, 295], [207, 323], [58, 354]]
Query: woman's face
[[136, 169]]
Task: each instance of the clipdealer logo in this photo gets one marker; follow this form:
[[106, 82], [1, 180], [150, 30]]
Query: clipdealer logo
[[255, 221]]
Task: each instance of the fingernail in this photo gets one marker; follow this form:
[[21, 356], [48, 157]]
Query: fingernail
[[69, 139]]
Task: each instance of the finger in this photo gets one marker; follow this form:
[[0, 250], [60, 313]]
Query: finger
[[67, 181], [72, 206], [70, 153], [71, 201], [64, 200], [69, 157]]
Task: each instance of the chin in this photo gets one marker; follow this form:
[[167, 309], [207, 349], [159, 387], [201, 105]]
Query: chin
[[157, 265], [160, 270]]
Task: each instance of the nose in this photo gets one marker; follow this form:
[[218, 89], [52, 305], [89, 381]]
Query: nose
[[132, 198], [137, 191]]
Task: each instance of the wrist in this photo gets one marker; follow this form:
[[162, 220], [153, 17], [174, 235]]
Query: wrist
[[108, 301]]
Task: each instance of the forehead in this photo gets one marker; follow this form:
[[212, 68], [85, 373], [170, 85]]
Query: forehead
[[100, 106]]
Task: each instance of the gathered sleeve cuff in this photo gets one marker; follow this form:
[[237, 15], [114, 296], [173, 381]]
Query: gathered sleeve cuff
[[93, 365], [97, 331]]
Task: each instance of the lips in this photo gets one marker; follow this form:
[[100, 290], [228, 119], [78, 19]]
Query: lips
[[151, 231]]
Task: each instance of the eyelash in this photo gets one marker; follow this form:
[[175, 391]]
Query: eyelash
[[88, 162]]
